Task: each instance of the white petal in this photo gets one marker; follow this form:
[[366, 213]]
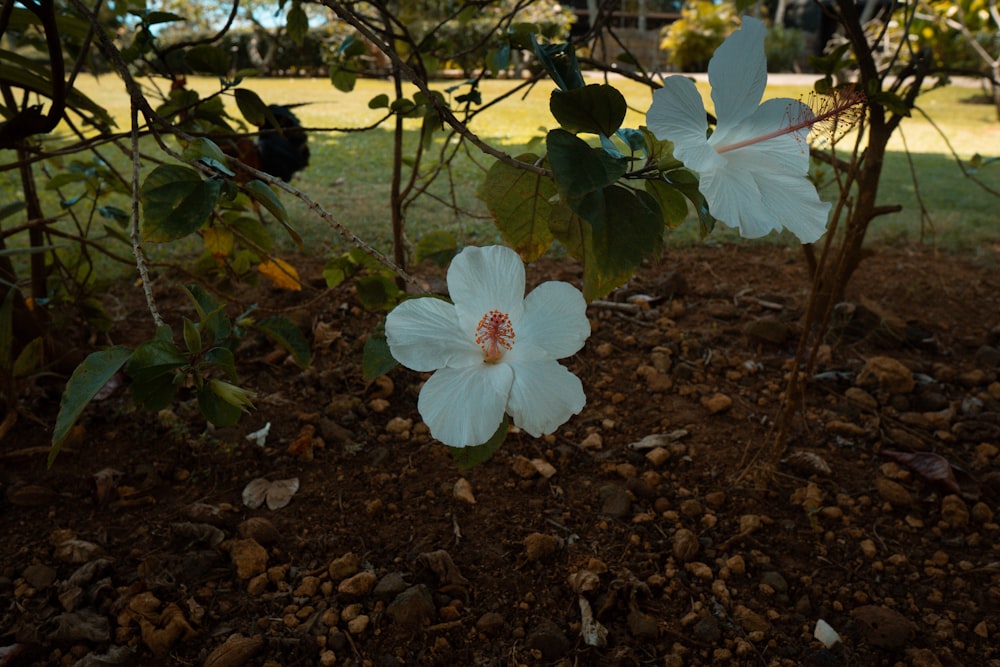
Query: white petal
[[555, 320], [795, 205], [483, 279], [463, 407], [424, 335], [678, 115], [543, 396], [738, 73], [757, 193]]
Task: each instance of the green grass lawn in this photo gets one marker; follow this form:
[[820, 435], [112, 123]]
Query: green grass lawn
[[350, 172]]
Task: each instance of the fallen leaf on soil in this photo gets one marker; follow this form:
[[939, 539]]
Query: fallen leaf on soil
[[105, 484], [884, 628], [197, 533], [235, 651], [302, 446], [441, 564], [118, 655], [76, 551], [583, 581], [84, 625], [277, 494], [171, 627], [658, 439], [592, 632], [938, 470], [808, 463], [463, 491]]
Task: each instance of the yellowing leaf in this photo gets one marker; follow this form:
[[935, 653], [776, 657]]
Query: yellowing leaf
[[281, 273], [218, 241]]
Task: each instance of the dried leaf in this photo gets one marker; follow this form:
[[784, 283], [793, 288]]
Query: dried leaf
[[938, 470], [808, 463], [197, 533], [281, 273], [276, 494], [592, 632], [659, 439], [105, 484], [302, 446]]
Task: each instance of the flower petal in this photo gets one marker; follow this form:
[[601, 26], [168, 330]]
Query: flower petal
[[423, 335], [738, 73], [555, 320], [755, 193], [677, 114], [764, 185], [543, 396], [463, 407], [483, 279]]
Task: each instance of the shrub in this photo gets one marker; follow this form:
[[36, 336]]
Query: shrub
[[691, 40]]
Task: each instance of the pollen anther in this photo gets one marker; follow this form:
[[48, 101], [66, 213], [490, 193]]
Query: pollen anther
[[494, 334]]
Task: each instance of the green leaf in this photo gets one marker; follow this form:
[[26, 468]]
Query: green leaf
[[251, 106], [30, 358], [577, 237], [559, 60], [192, 337], [521, 204], [154, 394], [377, 291], [498, 60], [265, 196], [153, 359], [297, 23], [282, 331], [207, 151], [438, 247], [686, 182], [352, 47], [222, 357], [578, 168], [380, 101], [203, 302], [262, 193], [10, 209], [154, 17], [631, 230], [176, 202], [672, 203], [207, 59], [377, 359], [343, 77], [469, 457], [597, 108], [215, 408], [660, 150], [88, 379]]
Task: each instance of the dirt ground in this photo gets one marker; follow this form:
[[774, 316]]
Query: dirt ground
[[631, 537]]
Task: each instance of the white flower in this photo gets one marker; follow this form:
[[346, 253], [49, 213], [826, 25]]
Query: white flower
[[494, 351], [752, 170]]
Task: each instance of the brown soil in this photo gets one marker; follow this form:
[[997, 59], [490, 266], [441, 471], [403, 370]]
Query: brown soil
[[381, 558]]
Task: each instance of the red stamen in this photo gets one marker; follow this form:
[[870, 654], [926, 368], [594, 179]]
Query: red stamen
[[494, 334], [835, 116]]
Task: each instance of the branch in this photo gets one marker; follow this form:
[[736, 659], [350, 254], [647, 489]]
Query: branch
[[444, 112]]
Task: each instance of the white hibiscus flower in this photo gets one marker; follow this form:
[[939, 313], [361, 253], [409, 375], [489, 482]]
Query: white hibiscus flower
[[494, 351], [752, 170]]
